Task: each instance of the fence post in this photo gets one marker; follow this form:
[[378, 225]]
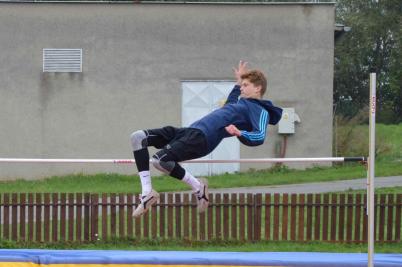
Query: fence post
[[398, 217], [250, 221], [257, 216], [55, 217], [87, 207], [94, 216], [218, 217], [38, 216], [225, 221], [63, 203], [22, 217], [6, 212], [242, 216], [390, 216], [78, 218], [71, 222], [46, 228], [285, 220], [122, 228], [234, 227], [14, 223], [276, 229]]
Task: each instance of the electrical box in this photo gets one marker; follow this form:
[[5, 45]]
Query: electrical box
[[287, 122]]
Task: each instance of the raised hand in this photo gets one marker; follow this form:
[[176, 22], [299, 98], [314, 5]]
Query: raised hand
[[240, 70]]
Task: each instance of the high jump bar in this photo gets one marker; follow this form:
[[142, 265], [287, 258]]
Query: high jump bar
[[130, 161]]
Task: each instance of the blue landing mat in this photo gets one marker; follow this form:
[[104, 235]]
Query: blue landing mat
[[81, 258]]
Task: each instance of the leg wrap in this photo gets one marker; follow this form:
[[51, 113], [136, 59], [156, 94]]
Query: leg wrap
[[178, 172], [166, 165], [142, 159], [162, 165], [139, 140]]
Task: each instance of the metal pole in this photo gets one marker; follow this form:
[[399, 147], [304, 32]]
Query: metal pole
[[371, 162]]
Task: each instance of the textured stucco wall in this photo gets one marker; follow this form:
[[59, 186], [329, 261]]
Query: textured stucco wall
[[134, 59]]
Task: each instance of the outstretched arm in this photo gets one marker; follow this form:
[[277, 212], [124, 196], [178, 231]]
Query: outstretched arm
[[256, 136]]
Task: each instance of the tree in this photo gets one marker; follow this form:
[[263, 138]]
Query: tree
[[373, 45]]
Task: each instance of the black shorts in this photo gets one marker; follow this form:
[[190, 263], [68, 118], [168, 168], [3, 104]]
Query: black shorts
[[179, 143]]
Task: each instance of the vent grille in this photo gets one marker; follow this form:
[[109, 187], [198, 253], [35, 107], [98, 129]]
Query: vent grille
[[62, 60]]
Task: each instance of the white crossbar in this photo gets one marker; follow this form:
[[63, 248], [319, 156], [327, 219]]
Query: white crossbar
[[130, 161]]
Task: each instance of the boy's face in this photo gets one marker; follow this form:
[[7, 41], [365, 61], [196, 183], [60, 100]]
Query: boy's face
[[249, 90]]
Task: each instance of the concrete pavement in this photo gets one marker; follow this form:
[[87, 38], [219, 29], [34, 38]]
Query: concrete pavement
[[319, 187]]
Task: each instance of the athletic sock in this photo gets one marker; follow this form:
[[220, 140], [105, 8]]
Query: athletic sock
[[191, 181], [146, 183]]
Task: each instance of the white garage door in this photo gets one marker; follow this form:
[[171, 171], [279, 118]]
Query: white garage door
[[199, 99]]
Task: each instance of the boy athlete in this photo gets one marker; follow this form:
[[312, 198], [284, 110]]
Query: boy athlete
[[246, 118]]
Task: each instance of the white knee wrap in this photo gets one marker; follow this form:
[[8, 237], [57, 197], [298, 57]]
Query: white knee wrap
[[138, 140]]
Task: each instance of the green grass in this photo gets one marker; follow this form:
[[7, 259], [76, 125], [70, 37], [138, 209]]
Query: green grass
[[352, 139], [388, 163], [117, 183], [392, 134], [236, 246]]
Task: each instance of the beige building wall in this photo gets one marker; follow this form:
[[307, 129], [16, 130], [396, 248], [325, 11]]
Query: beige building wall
[[134, 59]]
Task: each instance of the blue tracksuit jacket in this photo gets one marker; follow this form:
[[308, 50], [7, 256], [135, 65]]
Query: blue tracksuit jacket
[[250, 116]]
